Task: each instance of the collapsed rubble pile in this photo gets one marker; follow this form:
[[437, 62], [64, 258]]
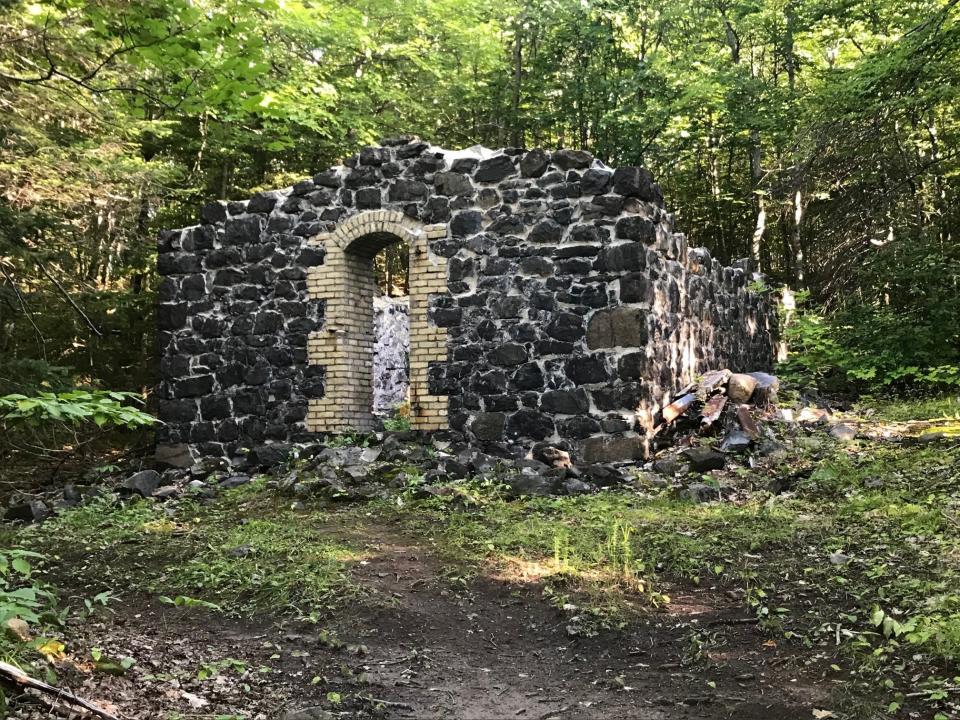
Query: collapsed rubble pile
[[721, 421], [724, 405]]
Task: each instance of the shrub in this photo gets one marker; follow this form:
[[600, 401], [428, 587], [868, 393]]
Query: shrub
[[101, 407], [870, 347], [47, 422]]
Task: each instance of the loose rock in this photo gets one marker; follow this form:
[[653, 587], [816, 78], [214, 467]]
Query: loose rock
[[703, 459], [843, 432], [143, 483], [740, 387]]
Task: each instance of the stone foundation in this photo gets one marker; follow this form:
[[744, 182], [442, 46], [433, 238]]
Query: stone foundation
[[550, 300]]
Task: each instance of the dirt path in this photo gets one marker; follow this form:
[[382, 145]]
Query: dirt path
[[497, 650], [435, 648]]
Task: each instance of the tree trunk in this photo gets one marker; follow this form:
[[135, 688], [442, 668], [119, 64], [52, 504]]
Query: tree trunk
[[791, 12], [756, 175], [517, 84], [796, 247]]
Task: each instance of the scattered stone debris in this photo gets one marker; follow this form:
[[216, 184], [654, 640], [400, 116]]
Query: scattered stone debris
[[29, 511], [726, 419], [722, 421]]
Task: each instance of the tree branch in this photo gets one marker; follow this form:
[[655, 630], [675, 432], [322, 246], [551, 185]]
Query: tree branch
[[70, 300], [26, 310]]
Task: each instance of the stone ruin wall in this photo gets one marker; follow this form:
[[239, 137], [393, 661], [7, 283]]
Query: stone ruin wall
[[551, 300]]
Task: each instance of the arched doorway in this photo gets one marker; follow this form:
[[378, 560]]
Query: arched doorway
[[346, 281]]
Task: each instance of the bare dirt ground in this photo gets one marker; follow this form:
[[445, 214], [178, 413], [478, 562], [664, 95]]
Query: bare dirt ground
[[423, 645]]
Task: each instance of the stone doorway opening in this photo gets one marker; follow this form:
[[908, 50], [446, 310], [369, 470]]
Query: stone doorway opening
[[346, 282], [352, 330], [391, 330]]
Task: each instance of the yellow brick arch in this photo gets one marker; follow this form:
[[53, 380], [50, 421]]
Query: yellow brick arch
[[377, 223], [344, 345]]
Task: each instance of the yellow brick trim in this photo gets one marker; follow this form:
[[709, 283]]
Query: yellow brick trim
[[344, 345]]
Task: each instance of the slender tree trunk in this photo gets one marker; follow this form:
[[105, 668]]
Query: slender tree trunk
[[796, 247], [760, 212], [757, 240], [224, 180], [791, 13], [517, 86]]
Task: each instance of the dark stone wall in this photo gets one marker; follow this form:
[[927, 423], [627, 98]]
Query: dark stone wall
[[574, 309], [233, 320]]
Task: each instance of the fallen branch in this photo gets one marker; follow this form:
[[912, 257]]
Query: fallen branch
[[26, 310], [677, 408], [732, 621], [385, 703], [70, 300], [16, 676]]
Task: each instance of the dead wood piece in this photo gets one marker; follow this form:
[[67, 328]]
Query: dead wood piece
[[385, 703], [733, 621], [712, 410], [71, 301], [712, 380], [15, 675], [747, 422], [678, 407]]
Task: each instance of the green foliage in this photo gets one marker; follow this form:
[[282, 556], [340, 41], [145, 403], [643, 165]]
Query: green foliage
[[21, 594], [399, 419], [349, 438], [867, 348], [52, 425], [28, 376], [189, 602], [834, 122], [211, 670], [74, 408]]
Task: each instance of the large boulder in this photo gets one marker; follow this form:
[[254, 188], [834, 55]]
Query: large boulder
[[179, 455], [143, 483], [740, 387]]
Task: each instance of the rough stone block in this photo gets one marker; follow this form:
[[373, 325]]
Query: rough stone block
[[613, 449], [618, 327]]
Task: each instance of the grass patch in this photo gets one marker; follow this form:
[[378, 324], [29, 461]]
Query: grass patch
[[613, 537], [905, 410], [246, 552]]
